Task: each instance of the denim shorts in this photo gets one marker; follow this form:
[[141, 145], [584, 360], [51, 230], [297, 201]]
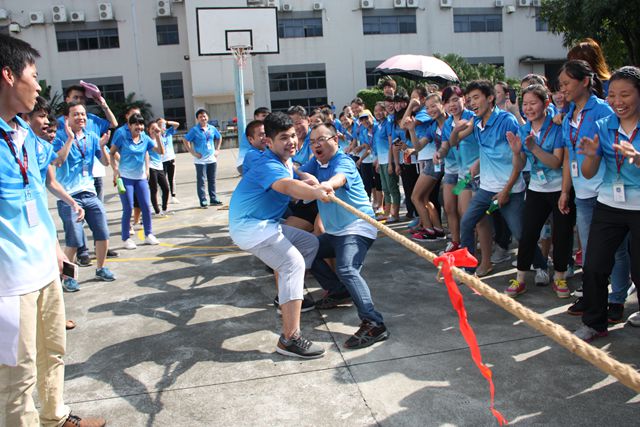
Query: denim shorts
[[450, 178], [94, 215], [428, 168]]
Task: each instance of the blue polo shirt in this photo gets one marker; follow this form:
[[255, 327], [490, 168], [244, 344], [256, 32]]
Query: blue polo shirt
[[46, 154], [256, 208], [95, 124], [629, 174], [76, 173], [28, 259], [155, 160], [203, 141], [467, 151], [594, 110], [368, 138], [381, 141], [250, 156], [167, 141], [304, 153], [433, 134], [495, 153], [543, 178], [132, 154], [243, 147], [335, 219]]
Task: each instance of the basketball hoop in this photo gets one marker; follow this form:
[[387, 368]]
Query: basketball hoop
[[240, 53]]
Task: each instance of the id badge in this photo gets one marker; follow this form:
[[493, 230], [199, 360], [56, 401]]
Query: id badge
[[85, 169], [574, 168], [437, 167], [618, 192], [541, 177], [32, 213]]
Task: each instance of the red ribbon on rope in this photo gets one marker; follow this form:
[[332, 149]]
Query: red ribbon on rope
[[462, 258]]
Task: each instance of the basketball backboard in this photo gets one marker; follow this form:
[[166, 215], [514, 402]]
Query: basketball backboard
[[220, 28]]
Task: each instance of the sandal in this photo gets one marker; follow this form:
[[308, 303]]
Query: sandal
[[70, 325]]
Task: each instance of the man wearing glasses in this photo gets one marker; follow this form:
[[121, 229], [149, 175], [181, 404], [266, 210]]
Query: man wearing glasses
[[347, 237]]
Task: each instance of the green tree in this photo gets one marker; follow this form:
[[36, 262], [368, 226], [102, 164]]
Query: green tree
[[120, 108], [613, 23], [55, 100], [370, 97]]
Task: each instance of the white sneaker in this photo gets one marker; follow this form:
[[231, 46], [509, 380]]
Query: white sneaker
[[542, 277], [137, 227], [500, 255], [131, 232], [151, 240], [130, 244], [634, 319], [174, 201], [160, 214]]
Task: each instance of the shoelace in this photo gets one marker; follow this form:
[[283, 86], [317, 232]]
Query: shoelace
[[514, 284], [302, 342]]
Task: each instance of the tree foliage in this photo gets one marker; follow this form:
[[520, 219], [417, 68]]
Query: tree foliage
[[370, 97], [613, 23], [120, 108]]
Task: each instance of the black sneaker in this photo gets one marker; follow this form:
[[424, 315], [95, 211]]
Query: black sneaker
[[299, 347], [577, 308], [83, 261], [614, 312], [216, 203], [367, 335], [112, 254], [307, 304], [329, 301]]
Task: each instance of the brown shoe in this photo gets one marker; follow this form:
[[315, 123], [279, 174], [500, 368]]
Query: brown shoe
[[75, 421]]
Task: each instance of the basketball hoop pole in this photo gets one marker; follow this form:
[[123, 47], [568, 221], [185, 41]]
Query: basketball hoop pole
[[238, 77]]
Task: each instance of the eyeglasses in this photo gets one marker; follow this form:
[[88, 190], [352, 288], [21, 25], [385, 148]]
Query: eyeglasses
[[321, 140]]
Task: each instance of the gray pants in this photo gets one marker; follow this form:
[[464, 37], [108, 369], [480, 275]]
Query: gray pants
[[288, 253]]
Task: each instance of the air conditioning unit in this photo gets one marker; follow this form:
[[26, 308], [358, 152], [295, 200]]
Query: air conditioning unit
[[412, 3], [399, 3], [163, 8], [286, 7], [59, 13], [77, 16], [524, 3], [4, 14], [273, 3], [536, 3], [318, 5], [499, 3], [105, 11], [446, 3], [367, 4], [36, 17]]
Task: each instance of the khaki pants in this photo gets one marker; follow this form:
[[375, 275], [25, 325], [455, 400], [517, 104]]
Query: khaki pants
[[41, 345]]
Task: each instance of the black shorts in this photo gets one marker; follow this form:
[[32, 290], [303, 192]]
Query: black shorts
[[306, 211]]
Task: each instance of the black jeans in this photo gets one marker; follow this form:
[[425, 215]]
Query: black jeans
[[609, 227], [157, 178], [169, 171], [537, 207], [409, 175]]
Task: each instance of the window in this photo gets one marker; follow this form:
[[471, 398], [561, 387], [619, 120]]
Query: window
[[308, 103], [173, 97], [167, 31], [87, 39], [541, 24], [372, 79], [299, 27], [302, 80], [172, 89], [112, 89], [388, 24], [476, 20], [304, 85]]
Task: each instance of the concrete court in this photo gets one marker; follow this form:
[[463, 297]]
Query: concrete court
[[186, 336]]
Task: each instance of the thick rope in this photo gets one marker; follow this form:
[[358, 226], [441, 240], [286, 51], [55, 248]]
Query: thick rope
[[625, 373]]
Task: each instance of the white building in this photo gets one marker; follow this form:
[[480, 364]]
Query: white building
[[327, 48]]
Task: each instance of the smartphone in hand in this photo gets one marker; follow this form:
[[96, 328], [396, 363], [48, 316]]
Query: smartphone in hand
[[70, 270], [513, 96]]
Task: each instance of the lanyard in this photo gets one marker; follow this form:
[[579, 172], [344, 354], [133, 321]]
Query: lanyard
[[571, 137], [620, 161], [546, 133], [24, 164], [82, 151], [206, 134]]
